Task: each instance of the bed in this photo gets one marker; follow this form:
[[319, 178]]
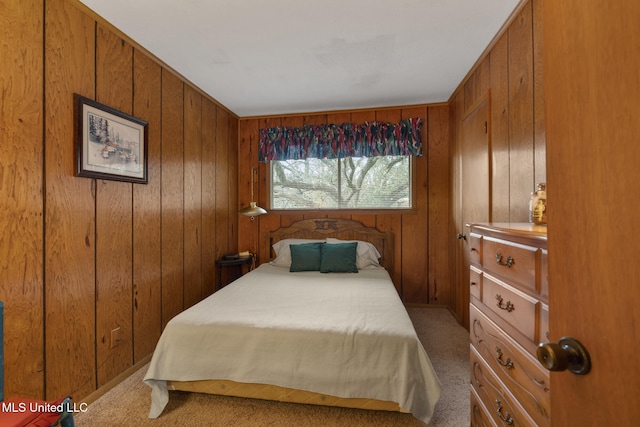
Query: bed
[[323, 337]]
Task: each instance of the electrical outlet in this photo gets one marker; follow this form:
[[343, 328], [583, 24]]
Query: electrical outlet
[[116, 337]]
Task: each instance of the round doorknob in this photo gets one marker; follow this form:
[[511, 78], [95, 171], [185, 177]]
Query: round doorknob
[[568, 353]]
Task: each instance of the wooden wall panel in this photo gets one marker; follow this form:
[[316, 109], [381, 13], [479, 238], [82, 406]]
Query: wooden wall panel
[[499, 121], [232, 176], [21, 197], [539, 130], [415, 226], [438, 137], [192, 197], [476, 87], [521, 114], [483, 78], [70, 294], [223, 185], [114, 222], [209, 229], [172, 196], [147, 261], [247, 159]]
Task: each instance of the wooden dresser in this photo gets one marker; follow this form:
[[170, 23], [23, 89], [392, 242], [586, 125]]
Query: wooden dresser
[[509, 315]]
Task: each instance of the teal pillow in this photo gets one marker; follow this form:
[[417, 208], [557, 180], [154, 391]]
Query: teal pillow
[[339, 258], [306, 256]]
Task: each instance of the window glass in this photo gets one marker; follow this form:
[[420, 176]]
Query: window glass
[[347, 183]]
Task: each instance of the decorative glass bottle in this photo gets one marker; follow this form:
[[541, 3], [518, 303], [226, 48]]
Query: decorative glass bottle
[[538, 205]]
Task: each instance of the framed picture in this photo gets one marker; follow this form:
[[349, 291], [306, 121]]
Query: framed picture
[[110, 144]]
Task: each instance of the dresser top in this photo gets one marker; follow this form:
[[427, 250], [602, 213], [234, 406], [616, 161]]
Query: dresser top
[[516, 229]]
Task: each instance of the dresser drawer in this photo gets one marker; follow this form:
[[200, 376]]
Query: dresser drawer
[[475, 282], [479, 414], [514, 262], [475, 248], [515, 307], [500, 403], [517, 369]]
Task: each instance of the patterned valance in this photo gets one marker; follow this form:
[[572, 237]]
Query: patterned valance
[[369, 139]]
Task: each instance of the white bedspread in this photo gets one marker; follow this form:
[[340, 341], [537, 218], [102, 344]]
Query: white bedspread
[[342, 334]]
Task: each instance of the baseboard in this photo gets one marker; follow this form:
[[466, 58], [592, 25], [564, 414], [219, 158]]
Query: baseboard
[[114, 382]]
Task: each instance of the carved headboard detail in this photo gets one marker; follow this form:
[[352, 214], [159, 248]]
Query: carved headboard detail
[[345, 229]]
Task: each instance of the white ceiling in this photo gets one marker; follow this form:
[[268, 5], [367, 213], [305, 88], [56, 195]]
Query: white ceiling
[[263, 57]]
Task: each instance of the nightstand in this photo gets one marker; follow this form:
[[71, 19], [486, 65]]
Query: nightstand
[[238, 262]]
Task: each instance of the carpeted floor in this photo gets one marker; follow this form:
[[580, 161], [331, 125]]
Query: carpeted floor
[[446, 342]]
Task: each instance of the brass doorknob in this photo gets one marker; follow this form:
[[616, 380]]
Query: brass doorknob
[[568, 353]]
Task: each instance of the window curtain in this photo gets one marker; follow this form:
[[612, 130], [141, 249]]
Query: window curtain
[[369, 139]]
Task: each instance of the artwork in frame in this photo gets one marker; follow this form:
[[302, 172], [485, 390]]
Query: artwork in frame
[[110, 144]]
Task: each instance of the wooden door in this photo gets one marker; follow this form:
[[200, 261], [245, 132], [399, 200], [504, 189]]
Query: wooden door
[[592, 94], [474, 182]]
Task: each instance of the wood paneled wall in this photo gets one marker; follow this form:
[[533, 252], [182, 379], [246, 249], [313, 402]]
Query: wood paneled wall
[[511, 72], [84, 257], [421, 272], [510, 76]]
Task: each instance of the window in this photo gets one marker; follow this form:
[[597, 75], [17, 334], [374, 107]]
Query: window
[[347, 183]]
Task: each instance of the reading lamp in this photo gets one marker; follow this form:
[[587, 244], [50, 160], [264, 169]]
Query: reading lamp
[[253, 210]]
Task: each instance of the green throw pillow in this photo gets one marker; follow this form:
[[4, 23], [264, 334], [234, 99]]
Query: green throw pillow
[[306, 256], [339, 258]]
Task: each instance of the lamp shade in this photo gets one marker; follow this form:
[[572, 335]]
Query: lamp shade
[[252, 210]]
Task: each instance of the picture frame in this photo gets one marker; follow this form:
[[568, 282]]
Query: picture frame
[[110, 144]]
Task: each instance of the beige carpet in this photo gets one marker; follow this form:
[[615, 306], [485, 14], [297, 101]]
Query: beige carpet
[[446, 342]]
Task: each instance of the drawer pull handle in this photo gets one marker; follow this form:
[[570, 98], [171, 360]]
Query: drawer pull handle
[[508, 306], [473, 283], [508, 264], [506, 417], [507, 364]]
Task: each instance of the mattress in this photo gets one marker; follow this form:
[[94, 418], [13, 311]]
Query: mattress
[[345, 335]]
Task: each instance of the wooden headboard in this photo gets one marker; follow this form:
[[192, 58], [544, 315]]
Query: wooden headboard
[[344, 229]]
